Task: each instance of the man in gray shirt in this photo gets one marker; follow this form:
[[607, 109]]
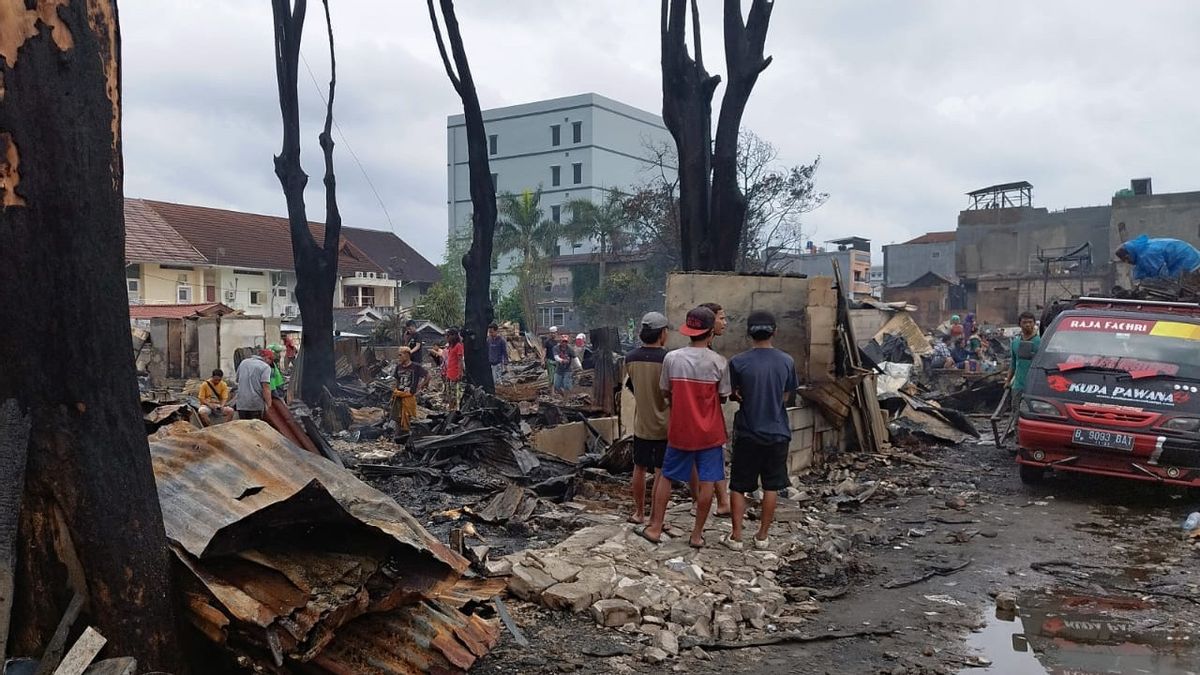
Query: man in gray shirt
[[254, 388]]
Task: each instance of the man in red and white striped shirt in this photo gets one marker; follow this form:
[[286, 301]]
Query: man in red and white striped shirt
[[696, 380]]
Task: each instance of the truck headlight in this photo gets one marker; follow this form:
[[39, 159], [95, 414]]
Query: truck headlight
[[1187, 424], [1039, 407]]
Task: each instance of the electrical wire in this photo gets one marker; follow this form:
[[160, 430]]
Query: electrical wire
[[349, 147]]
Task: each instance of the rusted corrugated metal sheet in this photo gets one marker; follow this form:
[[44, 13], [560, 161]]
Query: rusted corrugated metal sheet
[[215, 484], [287, 559]]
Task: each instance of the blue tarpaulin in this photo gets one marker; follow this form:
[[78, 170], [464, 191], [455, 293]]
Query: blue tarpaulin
[[1161, 258]]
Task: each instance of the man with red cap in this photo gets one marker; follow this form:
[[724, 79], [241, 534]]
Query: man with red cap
[[695, 380]]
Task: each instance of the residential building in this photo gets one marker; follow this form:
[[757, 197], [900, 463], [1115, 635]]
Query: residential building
[[908, 261], [574, 147], [935, 297], [853, 256], [876, 282], [183, 254], [400, 263], [556, 300], [1013, 256]]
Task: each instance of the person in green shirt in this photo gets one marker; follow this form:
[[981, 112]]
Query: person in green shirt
[[1024, 347], [277, 379]]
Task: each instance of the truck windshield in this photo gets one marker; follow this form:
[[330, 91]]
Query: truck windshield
[[1079, 339]]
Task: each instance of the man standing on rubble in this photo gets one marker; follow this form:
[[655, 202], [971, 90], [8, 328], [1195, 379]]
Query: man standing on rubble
[[254, 387], [762, 378], [644, 368], [549, 343], [410, 379], [497, 352], [1022, 350], [722, 488], [214, 397], [695, 380]]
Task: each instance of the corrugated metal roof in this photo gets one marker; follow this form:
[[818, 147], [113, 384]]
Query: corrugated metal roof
[[934, 238], [179, 311], [215, 482]]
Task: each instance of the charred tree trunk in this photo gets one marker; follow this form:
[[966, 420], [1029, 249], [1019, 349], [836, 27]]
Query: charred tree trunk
[[687, 112], [712, 208], [478, 260], [744, 44], [90, 520], [316, 263]]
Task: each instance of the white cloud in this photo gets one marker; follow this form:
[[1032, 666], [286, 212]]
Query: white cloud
[[909, 104]]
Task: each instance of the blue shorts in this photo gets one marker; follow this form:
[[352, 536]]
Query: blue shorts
[[709, 464]]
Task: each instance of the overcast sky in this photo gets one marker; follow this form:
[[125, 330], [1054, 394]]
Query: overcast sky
[[909, 104]]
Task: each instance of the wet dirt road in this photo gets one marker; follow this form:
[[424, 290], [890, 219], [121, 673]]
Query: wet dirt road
[[1093, 576]]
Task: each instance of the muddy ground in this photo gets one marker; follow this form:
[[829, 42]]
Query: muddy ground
[[1098, 570]]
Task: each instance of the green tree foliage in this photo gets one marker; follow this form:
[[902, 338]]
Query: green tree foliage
[[626, 296], [524, 230], [443, 303], [606, 222], [509, 309]]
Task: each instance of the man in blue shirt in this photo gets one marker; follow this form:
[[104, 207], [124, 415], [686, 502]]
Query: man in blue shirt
[[497, 348], [761, 378]]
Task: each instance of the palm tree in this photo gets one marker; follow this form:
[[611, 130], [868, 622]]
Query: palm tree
[[523, 229], [605, 222]]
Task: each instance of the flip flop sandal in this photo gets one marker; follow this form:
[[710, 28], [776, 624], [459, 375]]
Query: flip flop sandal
[[641, 532]]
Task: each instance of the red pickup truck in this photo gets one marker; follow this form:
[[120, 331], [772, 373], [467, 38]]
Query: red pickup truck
[[1114, 390]]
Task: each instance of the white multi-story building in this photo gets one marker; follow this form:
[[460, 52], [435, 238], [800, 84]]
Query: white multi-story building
[[575, 147]]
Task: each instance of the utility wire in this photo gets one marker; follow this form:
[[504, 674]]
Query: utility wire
[[353, 154]]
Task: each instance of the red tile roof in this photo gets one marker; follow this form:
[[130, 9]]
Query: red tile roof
[[934, 238], [393, 254], [149, 239], [237, 239], [178, 311]]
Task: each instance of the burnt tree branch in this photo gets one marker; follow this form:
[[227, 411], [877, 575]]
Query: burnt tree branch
[[315, 263], [478, 260]]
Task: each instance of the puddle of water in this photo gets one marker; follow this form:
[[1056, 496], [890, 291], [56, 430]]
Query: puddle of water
[[1078, 634]]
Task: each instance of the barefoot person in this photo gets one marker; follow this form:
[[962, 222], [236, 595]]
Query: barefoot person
[[762, 378], [695, 381], [644, 366], [214, 398]]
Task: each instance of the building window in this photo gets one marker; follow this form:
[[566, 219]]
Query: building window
[[133, 287], [552, 316], [281, 293], [495, 181], [576, 132], [183, 294], [935, 254], [555, 135], [577, 173], [555, 175], [556, 213], [359, 296], [256, 297], [493, 141]]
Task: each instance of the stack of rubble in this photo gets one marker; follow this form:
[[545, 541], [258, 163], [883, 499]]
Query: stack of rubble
[[289, 562], [678, 596]]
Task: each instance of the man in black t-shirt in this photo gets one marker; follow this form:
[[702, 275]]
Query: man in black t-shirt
[[410, 378]]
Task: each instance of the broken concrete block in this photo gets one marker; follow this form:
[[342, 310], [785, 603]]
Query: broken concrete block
[[572, 597], [497, 568], [528, 583], [701, 655], [693, 573], [654, 655], [667, 641], [652, 621], [615, 612], [1006, 601], [688, 611], [726, 626], [752, 612], [703, 628], [601, 578], [561, 570]]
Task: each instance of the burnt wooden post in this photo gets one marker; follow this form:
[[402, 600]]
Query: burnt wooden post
[[478, 260], [605, 345], [316, 263], [90, 520]]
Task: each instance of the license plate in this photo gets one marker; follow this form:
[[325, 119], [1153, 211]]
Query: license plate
[[1103, 439]]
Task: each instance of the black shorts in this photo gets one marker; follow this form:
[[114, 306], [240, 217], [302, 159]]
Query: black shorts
[[754, 460], [649, 454], [251, 414]]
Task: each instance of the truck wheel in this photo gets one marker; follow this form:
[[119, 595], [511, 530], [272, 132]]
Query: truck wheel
[[1031, 475]]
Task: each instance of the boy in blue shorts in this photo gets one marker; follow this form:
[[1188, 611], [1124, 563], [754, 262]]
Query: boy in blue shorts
[[696, 380]]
